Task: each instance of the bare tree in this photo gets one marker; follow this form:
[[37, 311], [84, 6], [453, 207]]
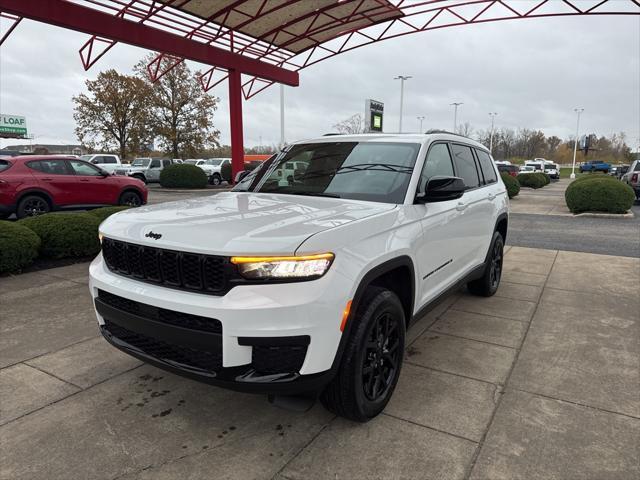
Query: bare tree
[[465, 129], [351, 126]]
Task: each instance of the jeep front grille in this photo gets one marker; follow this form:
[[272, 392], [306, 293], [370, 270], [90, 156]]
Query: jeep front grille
[[169, 268]]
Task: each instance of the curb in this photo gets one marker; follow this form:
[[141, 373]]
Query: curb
[[629, 214], [190, 190]]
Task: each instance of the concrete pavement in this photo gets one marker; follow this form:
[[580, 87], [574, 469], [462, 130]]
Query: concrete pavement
[[540, 381]]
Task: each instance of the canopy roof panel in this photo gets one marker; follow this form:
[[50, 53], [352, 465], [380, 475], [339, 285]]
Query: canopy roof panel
[[292, 25]]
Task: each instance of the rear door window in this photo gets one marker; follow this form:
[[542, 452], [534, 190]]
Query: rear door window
[[486, 164], [50, 167], [465, 165]]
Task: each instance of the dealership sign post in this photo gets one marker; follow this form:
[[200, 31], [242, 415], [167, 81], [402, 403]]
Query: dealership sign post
[[373, 113], [13, 126]]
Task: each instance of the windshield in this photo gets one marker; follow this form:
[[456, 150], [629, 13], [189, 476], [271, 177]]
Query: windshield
[[214, 162], [191, 162], [140, 162], [550, 167], [371, 171]]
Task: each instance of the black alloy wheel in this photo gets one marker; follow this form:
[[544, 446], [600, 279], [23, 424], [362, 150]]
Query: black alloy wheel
[[131, 199], [32, 206], [495, 271], [372, 358], [381, 357], [488, 284]]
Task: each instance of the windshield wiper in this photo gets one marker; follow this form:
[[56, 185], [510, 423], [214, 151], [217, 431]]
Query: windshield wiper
[[360, 167], [308, 194]]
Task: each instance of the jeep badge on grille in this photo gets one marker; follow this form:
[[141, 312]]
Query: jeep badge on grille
[[155, 236]]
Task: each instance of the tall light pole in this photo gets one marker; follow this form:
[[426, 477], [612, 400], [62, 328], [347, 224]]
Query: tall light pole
[[575, 145], [493, 117], [402, 78], [455, 114], [420, 119]]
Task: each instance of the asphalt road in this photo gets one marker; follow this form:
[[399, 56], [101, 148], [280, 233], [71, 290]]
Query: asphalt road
[[608, 236]]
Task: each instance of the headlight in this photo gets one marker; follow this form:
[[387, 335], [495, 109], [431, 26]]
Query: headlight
[[100, 237], [303, 267]]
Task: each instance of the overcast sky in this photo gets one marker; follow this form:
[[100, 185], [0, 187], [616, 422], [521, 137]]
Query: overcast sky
[[532, 72]]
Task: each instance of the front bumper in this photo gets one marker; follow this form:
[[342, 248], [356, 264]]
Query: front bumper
[[263, 329]]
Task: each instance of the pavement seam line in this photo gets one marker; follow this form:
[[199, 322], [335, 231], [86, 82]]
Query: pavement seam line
[[471, 339], [52, 375], [497, 316], [69, 396], [429, 427], [49, 353], [578, 404], [476, 454], [453, 309], [303, 448], [407, 362]]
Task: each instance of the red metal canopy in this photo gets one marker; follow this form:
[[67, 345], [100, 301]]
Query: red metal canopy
[[271, 40]]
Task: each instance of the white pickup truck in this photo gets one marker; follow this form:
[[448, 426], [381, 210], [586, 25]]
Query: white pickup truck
[[106, 161]]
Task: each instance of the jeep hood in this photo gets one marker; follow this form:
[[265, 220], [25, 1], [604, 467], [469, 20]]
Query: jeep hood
[[237, 223]]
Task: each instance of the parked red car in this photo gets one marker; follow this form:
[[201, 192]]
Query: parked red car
[[32, 185]]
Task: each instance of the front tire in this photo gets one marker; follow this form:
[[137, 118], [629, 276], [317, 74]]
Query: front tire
[[142, 178], [487, 285], [32, 206], [215, 179], [131, 199], [372, 359]]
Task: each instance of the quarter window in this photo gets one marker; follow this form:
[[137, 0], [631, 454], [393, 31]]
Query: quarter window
[[4, 165], [486, 164], [438, 163], [465, 165]]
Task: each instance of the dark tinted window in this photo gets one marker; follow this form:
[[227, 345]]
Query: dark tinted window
[[4, 164], [465, 165], [107, 159], [486, 164], [50, 167], [155, 163], [166, 163], [438, 163]]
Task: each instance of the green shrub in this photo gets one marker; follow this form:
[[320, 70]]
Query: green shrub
[[183, 175], [513, 187], [594, 176], [532, 180], [225, 171], [66, 234], [18, 247], [103, 213], [599, 195], [547, 178]]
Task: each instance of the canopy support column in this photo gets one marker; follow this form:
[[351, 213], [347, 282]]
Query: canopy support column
[[235, 115]]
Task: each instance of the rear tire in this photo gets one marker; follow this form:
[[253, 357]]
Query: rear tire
[[372, 359], [131, 199], [32, 206], [488, 284], [215, 179]]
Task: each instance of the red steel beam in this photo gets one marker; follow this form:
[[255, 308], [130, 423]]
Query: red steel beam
[[235, 113], [87, 20]]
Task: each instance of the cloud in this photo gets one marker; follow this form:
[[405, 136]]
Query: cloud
[[532, 72]]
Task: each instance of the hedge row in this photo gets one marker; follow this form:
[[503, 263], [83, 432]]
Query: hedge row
[[59, 235], [183, 175], [533, 180], [513, 186], [601, 193]]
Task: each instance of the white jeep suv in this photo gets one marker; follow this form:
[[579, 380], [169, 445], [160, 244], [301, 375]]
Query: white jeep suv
[[307, 288]]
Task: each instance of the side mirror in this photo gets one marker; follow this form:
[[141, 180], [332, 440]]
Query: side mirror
[[441, 189]]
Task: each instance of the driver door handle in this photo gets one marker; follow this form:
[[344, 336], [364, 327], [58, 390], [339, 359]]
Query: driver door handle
[[461, 206], [84, 179]]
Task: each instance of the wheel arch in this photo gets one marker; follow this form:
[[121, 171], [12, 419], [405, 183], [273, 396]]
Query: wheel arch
[[35, 191], [393, 274], [502, 224]]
